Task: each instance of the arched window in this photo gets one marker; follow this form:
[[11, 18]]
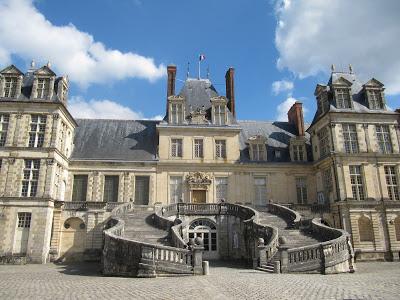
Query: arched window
[[365, 229], [206, 230], [397, 228], [202, 222]]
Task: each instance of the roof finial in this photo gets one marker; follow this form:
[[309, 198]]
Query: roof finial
[[187, 71], [351, 69], [333, 68], [33, 64], [48, 64]]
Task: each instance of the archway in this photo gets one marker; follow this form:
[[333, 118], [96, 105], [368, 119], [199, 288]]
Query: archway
[[397, 228], [365, 229], [207, 230], [73, 239]]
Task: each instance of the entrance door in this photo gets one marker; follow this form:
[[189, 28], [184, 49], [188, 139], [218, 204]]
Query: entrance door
[[22, 233], [199, 196], [142, 190], [207, 231], [73, 239]]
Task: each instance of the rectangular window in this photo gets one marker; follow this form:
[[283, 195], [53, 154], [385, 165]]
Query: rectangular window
[[4, 120], [392, 183], [37, 129], [142, 184], [298, 153], [301, 190], [260, 185], [343, 98], [383, 138], [80, 188], [221, 188], [176, 113], [111, 188], [327, 180], [220, 149], [176, 147], [220, 114], [324, 146], [375, 99], [350, 138], [43, 85], [24, 220], [258, 151], [198, 148], [30, 178], [175, 183], [10, 87], [356, 180]]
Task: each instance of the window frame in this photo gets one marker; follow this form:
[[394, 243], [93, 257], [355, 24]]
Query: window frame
[[221, 188], [220, 149], [383, 139], [30, 178], [198, 148], [84, 188], [111, 188], [343, 98], [4, 125], [350, 138], [11, 90], [357, 182], [260, 190], [301, 190], [323, 141], [175, 189], [392, 183], [43, 88], [176, 147], [37, 135]]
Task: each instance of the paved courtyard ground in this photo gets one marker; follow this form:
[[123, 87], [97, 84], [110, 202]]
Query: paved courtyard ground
[[372, 281]]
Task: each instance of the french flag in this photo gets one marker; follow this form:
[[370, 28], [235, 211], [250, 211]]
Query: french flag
[[202, 57]]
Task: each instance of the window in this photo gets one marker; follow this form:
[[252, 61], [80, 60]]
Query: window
[[42, 90], [37, 129], [397, 228], [323, 138], [327, 180], [220, 149], [221, 188], [4, 119], [350, 138], [10, 87], [365, 229], [198, 148], [111, 188], [24, 219], [142, 190], [57, 181], [298, 152], [375, 99], [356, 181], [343, 98], [176, 113], [260, 190], [383, 137], [30, 178], [176, 147], [301, 190], [80, 188], [220, 115], [258, 151], [175, 183], [392, 183]]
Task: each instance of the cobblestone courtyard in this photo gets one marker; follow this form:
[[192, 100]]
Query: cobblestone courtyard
[[372, 281]]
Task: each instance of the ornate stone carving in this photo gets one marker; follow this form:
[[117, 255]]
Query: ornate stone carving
[[198, 180], [198, 116], [50, 161]]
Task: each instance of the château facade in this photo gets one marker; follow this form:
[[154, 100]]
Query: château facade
[[61, 177]]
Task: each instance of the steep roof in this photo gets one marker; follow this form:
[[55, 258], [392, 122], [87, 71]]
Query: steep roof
[[197, 93], [126, 140]]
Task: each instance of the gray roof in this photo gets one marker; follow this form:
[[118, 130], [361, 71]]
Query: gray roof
[[278, 135], [127, 140]]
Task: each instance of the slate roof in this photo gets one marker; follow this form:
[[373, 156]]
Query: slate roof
[[126, 140], [278, 135]]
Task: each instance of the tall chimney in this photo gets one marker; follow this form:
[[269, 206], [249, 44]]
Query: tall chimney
[[295, 116], [230, 89], [171, 71]]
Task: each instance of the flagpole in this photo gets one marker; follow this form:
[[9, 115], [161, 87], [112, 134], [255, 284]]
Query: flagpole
[[199, 66]]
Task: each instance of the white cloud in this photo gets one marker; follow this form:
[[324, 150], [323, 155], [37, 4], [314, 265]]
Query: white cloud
[[25, 32], [104, 109], [282, 86], [283, 108], [313, 34]]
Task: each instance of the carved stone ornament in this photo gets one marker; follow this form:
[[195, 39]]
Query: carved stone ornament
[[198, 116], [198, 180]]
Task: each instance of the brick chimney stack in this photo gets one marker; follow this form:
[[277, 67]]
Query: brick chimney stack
[[230, 89], [171, 71], [295, 116]]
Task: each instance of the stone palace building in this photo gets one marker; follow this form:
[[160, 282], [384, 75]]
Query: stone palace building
[[61, 177]]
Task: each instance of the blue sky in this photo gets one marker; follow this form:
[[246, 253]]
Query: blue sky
[[265, 41]]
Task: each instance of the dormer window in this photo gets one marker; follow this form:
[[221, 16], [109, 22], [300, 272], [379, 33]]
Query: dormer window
[[374, 97], [176, 109], [257, 149], [342, 98], [219, 116], [10, 82], [298, 149], [43, 83], [10, 87], [43, 86]]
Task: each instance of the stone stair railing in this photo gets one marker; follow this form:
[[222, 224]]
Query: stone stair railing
[[127, 257]]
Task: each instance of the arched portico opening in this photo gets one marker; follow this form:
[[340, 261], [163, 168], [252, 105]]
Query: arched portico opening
[[207, 230]]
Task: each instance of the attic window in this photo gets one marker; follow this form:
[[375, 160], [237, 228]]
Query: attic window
[[10, 87], [277, 154], [220, 115], [342, 98], [375, 99], [258, 152], [43, 86], [176, 113]]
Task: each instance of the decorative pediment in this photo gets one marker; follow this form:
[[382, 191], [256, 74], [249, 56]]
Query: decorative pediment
[[11, 70], [198, 180], [342, 81], [374, 83], [44, 71], [198, 116], [220, 99], [176, 98], [257, 139]]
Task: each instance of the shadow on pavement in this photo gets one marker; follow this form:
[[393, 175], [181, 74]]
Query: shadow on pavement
[[81, 269]]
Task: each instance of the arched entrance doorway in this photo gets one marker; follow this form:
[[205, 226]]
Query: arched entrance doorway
[[207, 230], [73, 239]]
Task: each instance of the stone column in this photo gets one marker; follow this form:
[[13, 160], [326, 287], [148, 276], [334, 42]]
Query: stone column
[[18, 118], [284, 258], [367, 139]]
